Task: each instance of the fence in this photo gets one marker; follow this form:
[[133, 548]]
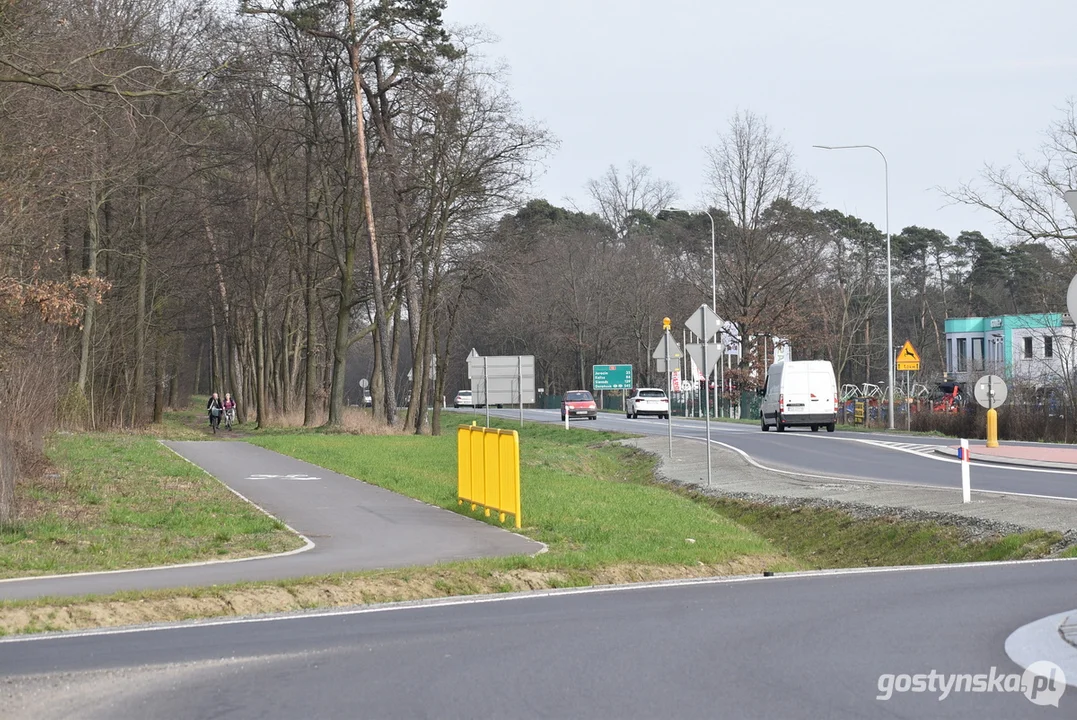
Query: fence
[[488, 470]]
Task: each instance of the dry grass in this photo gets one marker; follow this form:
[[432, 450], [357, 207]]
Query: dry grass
[[190, 424], [345, 590], [354, 420]]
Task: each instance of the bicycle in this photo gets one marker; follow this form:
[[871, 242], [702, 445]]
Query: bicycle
[[229, 418], [215, 419]]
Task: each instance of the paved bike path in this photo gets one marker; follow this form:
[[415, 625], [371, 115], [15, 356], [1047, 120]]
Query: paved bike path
[[352, 525]]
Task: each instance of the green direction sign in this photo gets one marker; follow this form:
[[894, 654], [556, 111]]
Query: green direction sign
[[611, 377]]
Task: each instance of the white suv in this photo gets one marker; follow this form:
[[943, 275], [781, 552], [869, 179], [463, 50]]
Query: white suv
[[647, 401]]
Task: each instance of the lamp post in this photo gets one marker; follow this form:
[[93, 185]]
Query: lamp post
[[714, 307], [889, 294]]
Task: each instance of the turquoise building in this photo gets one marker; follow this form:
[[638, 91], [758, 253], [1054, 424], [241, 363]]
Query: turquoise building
[[1034, 347]]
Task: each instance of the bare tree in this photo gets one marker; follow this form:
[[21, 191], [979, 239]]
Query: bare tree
[[620, 197], [769, 243], [1028, 199]]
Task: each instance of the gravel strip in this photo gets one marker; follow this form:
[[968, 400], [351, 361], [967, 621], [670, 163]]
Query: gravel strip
[[988, 515]]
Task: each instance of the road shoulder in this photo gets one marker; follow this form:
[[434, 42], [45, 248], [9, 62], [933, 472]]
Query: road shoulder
[[734, 476]]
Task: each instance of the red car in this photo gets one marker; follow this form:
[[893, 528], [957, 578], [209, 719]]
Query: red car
[[577, 403]]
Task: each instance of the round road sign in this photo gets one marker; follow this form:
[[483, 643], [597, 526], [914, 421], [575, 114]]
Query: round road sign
[[363, 382], [1071, 297], [990, 391]]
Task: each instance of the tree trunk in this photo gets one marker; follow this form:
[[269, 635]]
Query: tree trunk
[[159, 385], [310, 377], [377, 384], [198, 368], [216, 378], [259, 367], [173, 387], [284, 394], [140, 305], [93, 242], [340, 343], [381, 317]]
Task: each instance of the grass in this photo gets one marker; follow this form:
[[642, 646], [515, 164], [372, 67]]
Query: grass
[[823, 538], [592, 502], [118, 501]]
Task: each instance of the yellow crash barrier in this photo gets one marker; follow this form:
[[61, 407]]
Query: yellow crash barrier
[[488, 470]]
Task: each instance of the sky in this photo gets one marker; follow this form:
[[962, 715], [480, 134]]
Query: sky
[[941, 88]]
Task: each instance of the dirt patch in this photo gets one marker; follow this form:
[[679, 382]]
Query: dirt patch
[[345, 591]]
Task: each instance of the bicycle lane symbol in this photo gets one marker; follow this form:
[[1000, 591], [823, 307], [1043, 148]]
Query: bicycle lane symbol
[[294, 476]]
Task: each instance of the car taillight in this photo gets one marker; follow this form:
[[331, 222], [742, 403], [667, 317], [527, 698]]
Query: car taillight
[[835, 404], [781, 403]]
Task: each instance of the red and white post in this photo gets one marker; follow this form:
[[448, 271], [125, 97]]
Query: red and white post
[[966, 483]]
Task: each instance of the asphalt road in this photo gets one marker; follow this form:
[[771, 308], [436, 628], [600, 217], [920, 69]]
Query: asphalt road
[[852, 455], [784, 647], [351, 526]]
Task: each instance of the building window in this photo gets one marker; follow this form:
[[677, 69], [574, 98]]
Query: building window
[[949, 355], [1048, 347], [1028, 348], [977, 353], [962, 355]]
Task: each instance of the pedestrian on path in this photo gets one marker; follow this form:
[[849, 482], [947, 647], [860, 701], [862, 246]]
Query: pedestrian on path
[[215, 409]]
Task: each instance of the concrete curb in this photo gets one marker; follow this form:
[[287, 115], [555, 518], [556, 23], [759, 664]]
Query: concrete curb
[[997, 460]]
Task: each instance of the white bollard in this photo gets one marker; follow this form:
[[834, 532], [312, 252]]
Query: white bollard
[[966, 483], [566, 417]]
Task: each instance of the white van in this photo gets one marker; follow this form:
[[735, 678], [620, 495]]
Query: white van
[[800, 392]]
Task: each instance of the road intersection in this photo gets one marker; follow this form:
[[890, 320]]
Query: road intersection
[[801, 645]]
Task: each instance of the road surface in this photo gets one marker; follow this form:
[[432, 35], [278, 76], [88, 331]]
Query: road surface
[[783, 647], [850, 455]]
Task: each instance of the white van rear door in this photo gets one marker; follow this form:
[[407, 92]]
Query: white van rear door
[[796, 389]]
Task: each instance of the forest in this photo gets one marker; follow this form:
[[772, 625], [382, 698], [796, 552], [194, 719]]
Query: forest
[[278, 199]]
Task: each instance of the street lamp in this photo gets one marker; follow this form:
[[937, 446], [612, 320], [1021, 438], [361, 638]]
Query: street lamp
[[714, 307], [889, 298]]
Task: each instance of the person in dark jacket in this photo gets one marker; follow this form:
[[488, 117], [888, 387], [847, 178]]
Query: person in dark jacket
[[214, 408]]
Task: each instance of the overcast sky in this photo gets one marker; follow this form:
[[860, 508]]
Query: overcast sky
[[940, 87]]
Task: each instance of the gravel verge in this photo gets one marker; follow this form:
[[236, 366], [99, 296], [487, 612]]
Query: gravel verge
[[988, 515]]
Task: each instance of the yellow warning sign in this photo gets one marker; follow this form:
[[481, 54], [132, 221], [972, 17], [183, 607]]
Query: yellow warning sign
[[908, 358]]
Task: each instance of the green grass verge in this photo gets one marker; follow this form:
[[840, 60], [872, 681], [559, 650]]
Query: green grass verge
[[124, 501], [593, 503], [822, 538], [596, 503]]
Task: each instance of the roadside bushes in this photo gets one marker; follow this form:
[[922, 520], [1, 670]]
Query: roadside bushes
[[1016, 421]]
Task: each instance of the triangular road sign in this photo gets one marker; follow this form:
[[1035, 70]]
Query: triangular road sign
[[908, 353], [908, 359], [714, 351], [660, 351]]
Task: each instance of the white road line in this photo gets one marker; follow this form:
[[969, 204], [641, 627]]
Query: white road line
[[834, 478], [511, 597]]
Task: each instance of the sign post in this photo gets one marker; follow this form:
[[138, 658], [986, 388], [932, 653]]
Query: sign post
[[669, 387], [705, 324], [909, 361], [667, 350], [990, 392]]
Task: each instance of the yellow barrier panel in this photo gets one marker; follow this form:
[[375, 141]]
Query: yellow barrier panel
[[488, 470]]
